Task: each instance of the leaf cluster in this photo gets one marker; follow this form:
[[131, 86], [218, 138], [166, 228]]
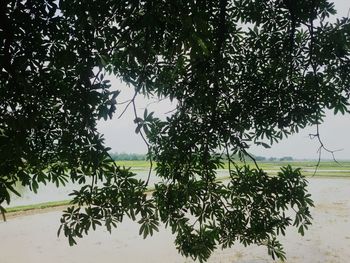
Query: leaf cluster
[[242, 72]]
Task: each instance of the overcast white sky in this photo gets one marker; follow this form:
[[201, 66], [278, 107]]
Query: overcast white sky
[[335, 131]]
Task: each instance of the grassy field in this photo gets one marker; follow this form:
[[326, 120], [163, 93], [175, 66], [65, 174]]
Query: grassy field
[[37, 206], [325, 168], [134, 164]]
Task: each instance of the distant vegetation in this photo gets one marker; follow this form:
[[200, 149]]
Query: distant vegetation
[[267, 159], [141, 157], [128, 156], [274, 159]]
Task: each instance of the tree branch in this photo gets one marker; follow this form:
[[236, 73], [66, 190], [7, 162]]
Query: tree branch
[[322, 147], [132, 100], [146, 142]]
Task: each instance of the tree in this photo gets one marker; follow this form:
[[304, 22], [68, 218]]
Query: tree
[[286, 158], [241, 71], [128, 156], [260, 158]]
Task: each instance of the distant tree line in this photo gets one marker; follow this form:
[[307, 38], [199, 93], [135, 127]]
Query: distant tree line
[[273, 159], [140, 157], [128, 156]]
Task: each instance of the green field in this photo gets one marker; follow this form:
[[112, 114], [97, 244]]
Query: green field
[[325, 168], [37, 206]]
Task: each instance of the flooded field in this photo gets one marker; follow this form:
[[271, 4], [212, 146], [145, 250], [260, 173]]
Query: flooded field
[[32, 238], [50, 192]]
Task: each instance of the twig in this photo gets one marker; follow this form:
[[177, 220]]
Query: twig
[[127, 106], [322, 147], [146, 142], [123, 102], [252, 158], [155, 101], [229, 159], [314, 72], [96, 76], [171, 111]]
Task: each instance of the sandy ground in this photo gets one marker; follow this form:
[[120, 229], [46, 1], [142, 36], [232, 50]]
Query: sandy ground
[[32, 238]]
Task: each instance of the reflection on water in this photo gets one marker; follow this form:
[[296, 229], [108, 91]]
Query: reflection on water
[[49, 192], [46, 193]]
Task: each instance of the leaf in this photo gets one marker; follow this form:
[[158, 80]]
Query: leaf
[[138, 128], [103, 60], [3, 213], [265, 145], [71, 241], [10, 187], [59, 230], [301, 230], [138, 120]]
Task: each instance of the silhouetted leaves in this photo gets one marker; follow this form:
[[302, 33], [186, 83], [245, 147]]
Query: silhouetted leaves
[[242, 72]]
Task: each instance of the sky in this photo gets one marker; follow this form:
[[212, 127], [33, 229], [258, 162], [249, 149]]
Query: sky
[[120, 134]]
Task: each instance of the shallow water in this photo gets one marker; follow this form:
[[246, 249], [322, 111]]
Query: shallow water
[[49, 192], [33, 238]]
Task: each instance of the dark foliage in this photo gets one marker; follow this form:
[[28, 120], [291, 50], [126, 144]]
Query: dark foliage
[[243, 72]]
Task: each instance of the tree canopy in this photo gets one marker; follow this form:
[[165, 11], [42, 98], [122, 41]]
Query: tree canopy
[[242, 72]]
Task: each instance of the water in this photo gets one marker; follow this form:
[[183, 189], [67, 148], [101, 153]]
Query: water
[[49, 192], [327, 240]]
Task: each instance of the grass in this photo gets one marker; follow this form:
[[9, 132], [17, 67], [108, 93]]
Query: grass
[[308, 168], [23, 208], [325, 169], [134, 164]]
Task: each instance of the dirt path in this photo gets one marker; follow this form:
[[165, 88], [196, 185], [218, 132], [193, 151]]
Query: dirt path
[[32, 238]]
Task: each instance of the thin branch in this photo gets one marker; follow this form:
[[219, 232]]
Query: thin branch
[[200, 216], [96, 76], [155, 101], [313, 64], [224, 205], [123, 102], [146, 142], [92, 187], [114, 164], [171, 110], [229, 159], [136, 116], [252, 158], [132, 100], [322, 147]]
